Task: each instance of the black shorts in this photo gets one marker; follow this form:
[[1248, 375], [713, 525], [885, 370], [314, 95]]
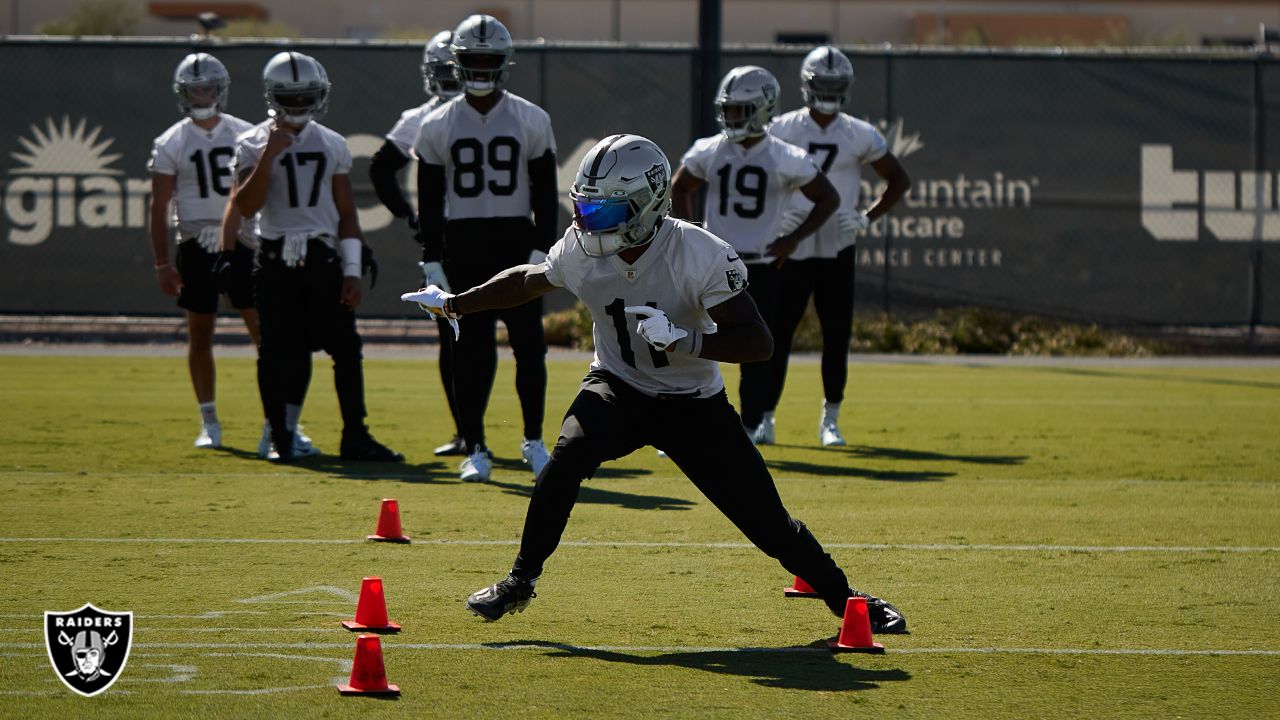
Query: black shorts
[[195, 266]]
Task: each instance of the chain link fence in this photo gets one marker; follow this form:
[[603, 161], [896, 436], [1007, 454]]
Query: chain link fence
[[1122, 188]]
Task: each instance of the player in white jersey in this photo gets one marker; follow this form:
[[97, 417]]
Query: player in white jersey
[[191, 171], [667, 305], [751, 177], [488, 158], [294, 172], [384, 171], [824, 267]]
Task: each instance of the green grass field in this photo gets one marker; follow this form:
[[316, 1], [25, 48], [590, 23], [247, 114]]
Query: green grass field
[[1066, 541]]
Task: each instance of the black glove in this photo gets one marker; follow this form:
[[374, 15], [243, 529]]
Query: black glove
[[369, 264], [412, 221], [223, 272]]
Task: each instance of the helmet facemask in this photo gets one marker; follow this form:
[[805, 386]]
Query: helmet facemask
[[440, 81], [480, 73], [737, 120], [746, 102], [298, 107], [825, 93], [201, 101], [608, 225]]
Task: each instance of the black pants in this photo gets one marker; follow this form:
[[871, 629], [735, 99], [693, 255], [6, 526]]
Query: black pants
[[300, 311], [756, 382], [704, 437], [830, 282], [474, 355]]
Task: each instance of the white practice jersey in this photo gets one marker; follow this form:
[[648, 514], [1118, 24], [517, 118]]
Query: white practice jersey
[[840, 149], [405, 132], [200, 161], [748, 189], [486, 157], [685, 271], [300, 195]]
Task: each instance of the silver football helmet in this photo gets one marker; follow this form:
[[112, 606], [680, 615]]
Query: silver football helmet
[[297, 88], [437, 72], [826, 78], [746, 102], [202, 85], [482, 53], [621, 194]]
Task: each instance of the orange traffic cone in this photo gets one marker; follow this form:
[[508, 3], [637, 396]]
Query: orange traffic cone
[[855, 631], [389, 523], [800, 589], [371, 610], [368, 676]]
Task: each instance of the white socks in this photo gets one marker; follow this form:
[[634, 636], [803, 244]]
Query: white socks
[[208, 413], [830, 412], [291, 415]]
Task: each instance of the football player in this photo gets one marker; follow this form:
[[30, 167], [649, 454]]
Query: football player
[[824, 268], [294, 172], [191, 168], [667, 304], [441, 86], [488, 156], [750, 178]]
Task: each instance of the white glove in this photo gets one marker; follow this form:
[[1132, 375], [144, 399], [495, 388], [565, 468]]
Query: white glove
[[433, 274], [853, 222], [791, 220], [432, 299], [656, 327]]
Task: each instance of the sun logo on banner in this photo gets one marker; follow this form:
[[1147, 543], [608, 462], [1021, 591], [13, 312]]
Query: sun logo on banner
[[900, 143], [67, 182], [64, 150]]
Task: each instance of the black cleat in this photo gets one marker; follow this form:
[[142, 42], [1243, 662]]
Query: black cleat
[[510, 596], [885, 618], [360, 445], [456, 446]]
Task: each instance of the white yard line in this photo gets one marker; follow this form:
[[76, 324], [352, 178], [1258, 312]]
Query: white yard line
[[910, 547]]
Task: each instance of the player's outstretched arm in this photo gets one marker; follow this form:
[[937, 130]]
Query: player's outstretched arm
[[741, 335], [509, 288]]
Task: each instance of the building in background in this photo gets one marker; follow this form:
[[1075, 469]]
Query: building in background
[[995, 22]]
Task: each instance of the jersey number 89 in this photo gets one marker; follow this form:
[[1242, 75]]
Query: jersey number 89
[[470, 169]]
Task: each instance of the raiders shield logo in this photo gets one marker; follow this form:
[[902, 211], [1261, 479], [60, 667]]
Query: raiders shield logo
[[656, 177], [88, 647], [736, 281]]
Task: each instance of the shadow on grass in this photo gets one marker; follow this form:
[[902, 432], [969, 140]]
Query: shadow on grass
[[796, 668], [598, 496], [1190, 379], [870, 451], [796, 467], [434, 472]]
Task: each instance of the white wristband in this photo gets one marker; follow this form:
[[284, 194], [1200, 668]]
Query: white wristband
[[350, 249]]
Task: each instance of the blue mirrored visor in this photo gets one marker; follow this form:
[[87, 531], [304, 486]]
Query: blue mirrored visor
[[600, 215]]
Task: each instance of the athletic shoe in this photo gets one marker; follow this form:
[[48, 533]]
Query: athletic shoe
[[763, 434], [510, 596], [456, 446], [829, 435], [535, 455], [358, 444], [662, 453], [210, 436], [302, 446], [476, 467], [885, 618]]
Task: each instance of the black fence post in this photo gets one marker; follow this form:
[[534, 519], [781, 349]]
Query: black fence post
[[706, 67], [888, 226], [1262, 203]]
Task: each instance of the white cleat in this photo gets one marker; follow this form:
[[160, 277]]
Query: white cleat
[[302, 446], [535, 455], [210, 436], [765, 433], [477, 466], [829, 434]]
